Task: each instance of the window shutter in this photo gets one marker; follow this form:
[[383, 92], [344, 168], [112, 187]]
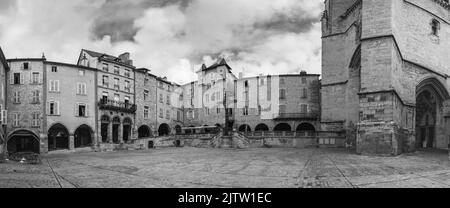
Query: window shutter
[[1, 115], [22, 78], [57, 108], [75, 110], [87, 111], [57, 86], [31, 76], [48, 108], [50, 84], [11, 76], [41, 79], [4, 117]]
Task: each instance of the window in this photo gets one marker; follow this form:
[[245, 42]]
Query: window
[[127, 72], [146, 111], [26, 65], [262, 82], [282, 81], [105, 96], [207, 111], [116, 97], [207, 98], [245, 111], [36, 120], [16, 97], [146, 80], [161, 115], [127, 100], [168, 114], [304, 108], [35, 78], [168, 100], [161, 99], [36, 97], [127, 86], [105, 81], [54, 86], [282, 94], [146, 92], [81, 72], [246, 84], [105, 67], [17, 79], [54, 69], [53, 108], [246, 96], [435, 26], [81, 89], [303, 80], [305, 93], [116, 83], [81, 110], [282, 109], [218, 110], [16, 119], [116, 70]]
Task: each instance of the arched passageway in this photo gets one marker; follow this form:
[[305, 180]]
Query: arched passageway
[[126, 129], [430, 97], [164, 129], [115, 129], [104, 128], [83, 136], [58, 138], [261, 127], [282, 127], [245, 128], [23, 141], [144, 132], [306, 127]]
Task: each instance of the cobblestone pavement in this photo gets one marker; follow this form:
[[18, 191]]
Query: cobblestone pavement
[[211, 168]]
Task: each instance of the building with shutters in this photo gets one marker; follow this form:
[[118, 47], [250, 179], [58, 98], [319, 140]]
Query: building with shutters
[[4, 68]]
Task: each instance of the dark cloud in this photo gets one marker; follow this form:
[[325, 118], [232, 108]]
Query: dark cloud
[[116, 17], [288, 23], [7, 5]]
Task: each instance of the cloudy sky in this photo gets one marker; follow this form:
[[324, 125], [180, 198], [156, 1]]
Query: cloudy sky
[[171, 37]]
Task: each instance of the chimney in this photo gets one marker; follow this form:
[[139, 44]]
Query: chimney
[[125, 57], [303, 72]]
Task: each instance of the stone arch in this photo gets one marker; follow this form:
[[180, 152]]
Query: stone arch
[[116, 122], [144, 131], [126, 129], [306, 127], [262, 127], [430, 97], [245, 128], [164, 129], [23, 140], [58, 137], [282, 127], [105, 121], [83, 136]]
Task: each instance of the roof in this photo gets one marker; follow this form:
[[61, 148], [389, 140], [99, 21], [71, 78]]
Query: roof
[[219, 63], [3, 59], [105, 57], [70, 65]]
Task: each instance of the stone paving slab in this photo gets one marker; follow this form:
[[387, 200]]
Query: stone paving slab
[[221, 168]]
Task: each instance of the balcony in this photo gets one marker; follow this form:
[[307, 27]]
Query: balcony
[[296, 116], [117, 106]]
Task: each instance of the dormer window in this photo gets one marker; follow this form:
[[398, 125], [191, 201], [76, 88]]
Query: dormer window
[[435, 27]]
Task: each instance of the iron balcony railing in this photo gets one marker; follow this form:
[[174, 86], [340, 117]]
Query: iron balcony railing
[[290, 116], [105, 104]]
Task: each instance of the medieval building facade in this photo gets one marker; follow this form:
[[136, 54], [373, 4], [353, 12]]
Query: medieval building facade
[[385, 73]]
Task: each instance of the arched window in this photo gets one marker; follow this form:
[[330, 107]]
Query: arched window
[[435, 27]]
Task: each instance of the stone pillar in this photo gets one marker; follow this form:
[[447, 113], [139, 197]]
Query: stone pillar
[[110, 133], [120, 130], [43, 143], [71, 141]]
